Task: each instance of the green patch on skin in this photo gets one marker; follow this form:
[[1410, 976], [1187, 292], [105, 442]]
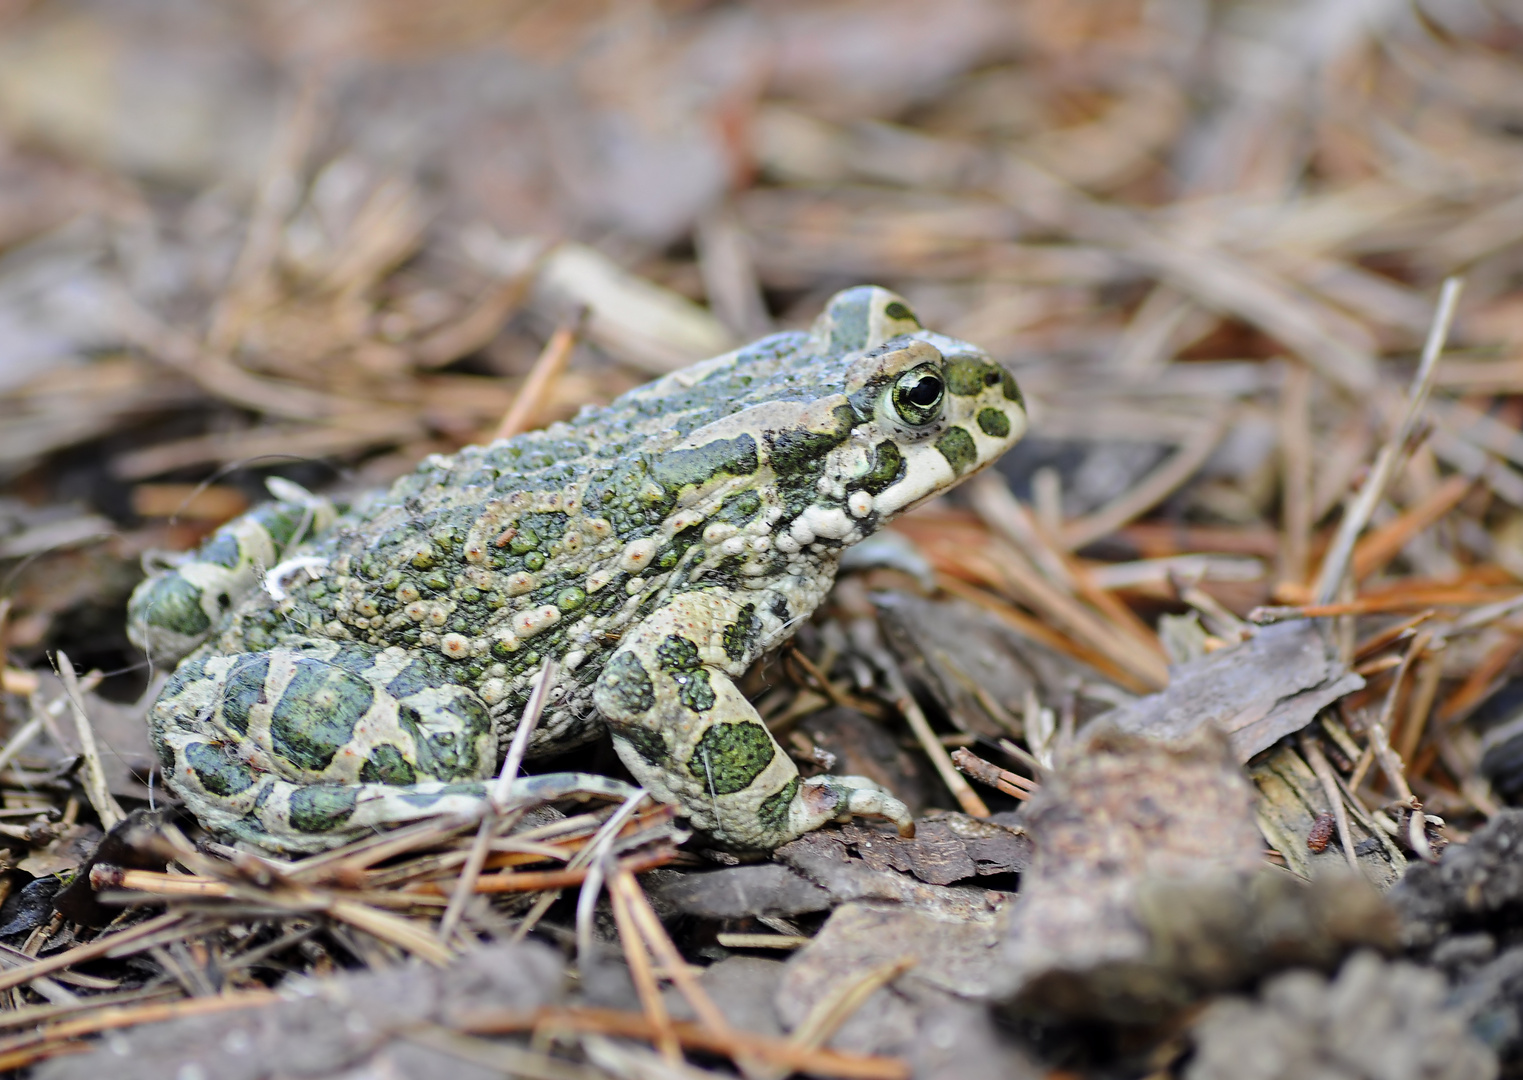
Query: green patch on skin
[[694, 690], [283, 522], [221, 550], [679, 656], [353, 660], [994, 423], [957, 446], [739, 509], [243, 690], [647, 743], [898, 311], [739, 635], [448, 754], [219, 774], [794, 452], [672, 553], [174, 604], [968, 377], [1011, 390], [570, 599], [317, 713], [628, 684], [849, 321], [386, 765], [772, 814], [730, 756], [191, 670], [677, 469], [446, 747], [412, 679], [320, 808], [677, 653], [887, 470]]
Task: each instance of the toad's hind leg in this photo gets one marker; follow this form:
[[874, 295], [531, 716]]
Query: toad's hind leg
[[690, 737], [305, 746], [177, 608]]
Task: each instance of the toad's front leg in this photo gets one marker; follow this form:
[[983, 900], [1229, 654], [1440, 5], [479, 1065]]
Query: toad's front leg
[[691, 738]]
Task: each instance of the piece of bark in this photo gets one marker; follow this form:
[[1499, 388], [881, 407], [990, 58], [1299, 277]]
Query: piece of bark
[[738, 892], [330, 1025], [1147, 887], [947, 848], [825, 858], [1256, 692], [956, 956]]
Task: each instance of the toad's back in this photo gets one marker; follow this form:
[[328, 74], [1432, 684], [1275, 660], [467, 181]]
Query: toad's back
[[653, 548]]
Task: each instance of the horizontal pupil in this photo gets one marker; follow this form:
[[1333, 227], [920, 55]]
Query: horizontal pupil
[[925, 392]]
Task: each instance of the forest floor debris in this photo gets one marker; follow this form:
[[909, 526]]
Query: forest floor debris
[[1258, 271]]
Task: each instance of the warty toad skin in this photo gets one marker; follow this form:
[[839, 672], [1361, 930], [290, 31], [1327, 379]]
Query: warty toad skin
[[352, 670]]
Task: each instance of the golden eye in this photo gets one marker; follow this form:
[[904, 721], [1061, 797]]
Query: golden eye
[[918, 394]]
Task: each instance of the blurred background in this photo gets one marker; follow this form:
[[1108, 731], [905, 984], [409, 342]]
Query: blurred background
[[321, 240]]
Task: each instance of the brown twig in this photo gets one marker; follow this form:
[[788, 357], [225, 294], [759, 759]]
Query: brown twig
[[1037, 631], [641, 972], [1385, 543], [1034, 590], [106, 807], [1379, 729], [1478, 685], [133, 939], [622, 885], [1013, 784], [1389, 635], [1424, 691], [1336, 564], [865, 637], [831, 1063], [531, 398], [842, 1001], [1296, 472], [1148, 492], [816, 676], [539, 880], [477, 326], [1413, 599]]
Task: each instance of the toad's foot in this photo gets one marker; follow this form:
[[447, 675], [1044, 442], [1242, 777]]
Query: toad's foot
[[690, 737], [838, 798]]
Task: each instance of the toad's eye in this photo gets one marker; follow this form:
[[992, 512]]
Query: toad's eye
[[917, 395]]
